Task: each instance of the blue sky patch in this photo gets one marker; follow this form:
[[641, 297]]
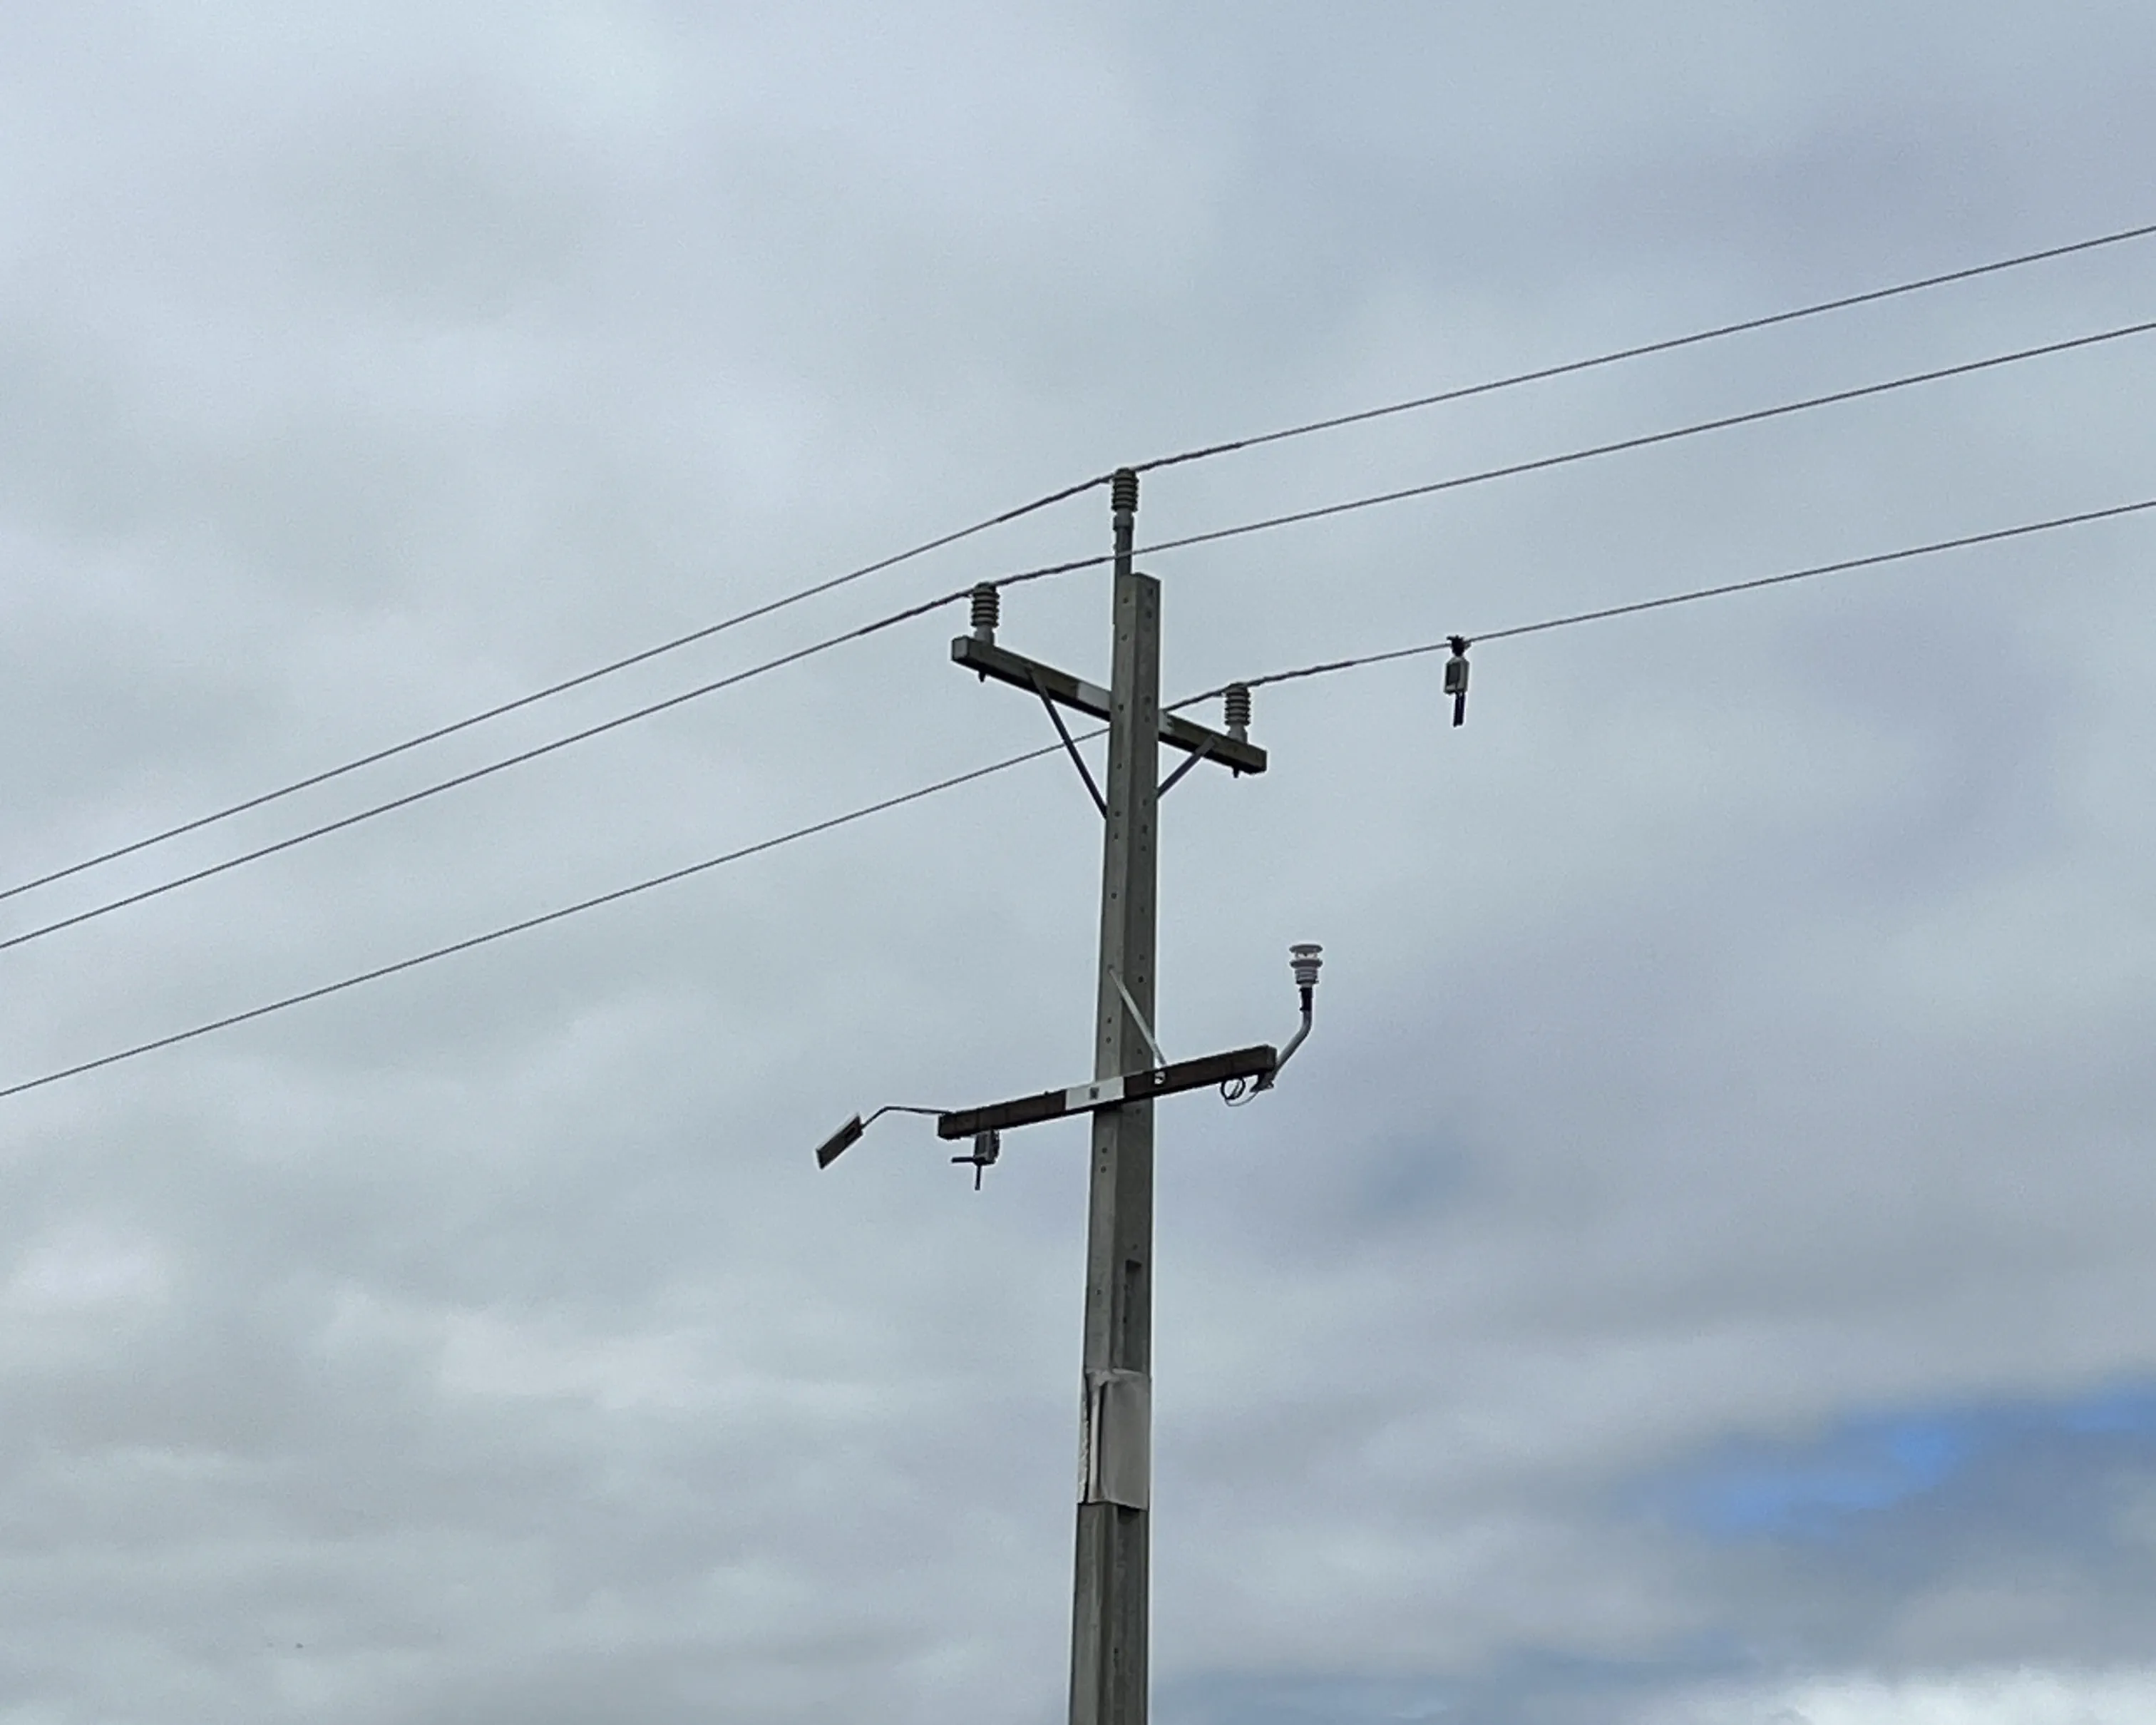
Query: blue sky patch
[[1858, 1469], [1528, 1688], [1866, 1467]]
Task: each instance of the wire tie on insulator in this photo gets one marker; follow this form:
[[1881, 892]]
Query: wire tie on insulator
[[1455, 678], [988, 611], [1237, 699]]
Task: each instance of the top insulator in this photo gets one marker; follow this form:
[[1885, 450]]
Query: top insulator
[[1123, 491], [988, 611], [1236, 698]]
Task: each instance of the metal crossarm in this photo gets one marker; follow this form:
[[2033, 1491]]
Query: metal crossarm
[[1254, 1062], [988, 660]]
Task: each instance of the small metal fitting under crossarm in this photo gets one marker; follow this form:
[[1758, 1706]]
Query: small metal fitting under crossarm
[[988, 1147]]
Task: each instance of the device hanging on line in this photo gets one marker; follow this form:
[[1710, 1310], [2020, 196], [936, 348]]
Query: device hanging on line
[[1456, 679]]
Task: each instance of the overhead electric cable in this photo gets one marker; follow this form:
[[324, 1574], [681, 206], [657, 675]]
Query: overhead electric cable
[[530, 922], [1668, 345], [1962, 543], [478, 772], [1540, 464], [1449, 643], [1462, 392], [950, 783], [563, 687], [1459, 482], [1647, 440]]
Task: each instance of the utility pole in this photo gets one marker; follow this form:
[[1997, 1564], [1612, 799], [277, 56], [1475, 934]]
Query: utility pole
[[1110, 1613], [1109, 1622]]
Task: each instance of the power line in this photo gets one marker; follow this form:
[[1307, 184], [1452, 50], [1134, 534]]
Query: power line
[[1445, 644], [1669, 345], [953, 782], [1543, 463], [1490, 386], [551, 690], [1540, 464], [1993, 538], [530, 922], [478, 772]]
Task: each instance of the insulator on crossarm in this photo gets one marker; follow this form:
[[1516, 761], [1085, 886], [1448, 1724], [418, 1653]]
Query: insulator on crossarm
[[1456, 679], [987, 610], [1236, 697]]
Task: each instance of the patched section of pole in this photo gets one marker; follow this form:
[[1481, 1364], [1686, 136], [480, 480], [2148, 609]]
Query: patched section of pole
[[1115, 1439]]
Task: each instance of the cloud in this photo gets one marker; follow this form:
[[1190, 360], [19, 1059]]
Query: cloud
[[2022, 1697], [1700, 1255]]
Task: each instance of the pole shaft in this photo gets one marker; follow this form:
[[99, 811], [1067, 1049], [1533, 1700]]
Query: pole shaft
[[1110, 1621]]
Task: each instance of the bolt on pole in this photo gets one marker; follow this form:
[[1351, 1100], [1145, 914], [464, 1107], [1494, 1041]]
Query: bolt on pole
[[1110, 1610]]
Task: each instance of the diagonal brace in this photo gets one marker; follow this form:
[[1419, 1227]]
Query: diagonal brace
[[1070, 748], [1203, 751], [1139, 1018]]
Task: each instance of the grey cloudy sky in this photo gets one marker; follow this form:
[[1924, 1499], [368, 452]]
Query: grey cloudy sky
[[1698, 1271]]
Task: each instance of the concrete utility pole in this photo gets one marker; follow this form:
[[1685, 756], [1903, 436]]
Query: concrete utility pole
[[1110, 1625], [1111, 1620]]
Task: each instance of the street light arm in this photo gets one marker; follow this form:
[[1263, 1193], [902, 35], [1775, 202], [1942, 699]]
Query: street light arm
[[847, 1135]]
